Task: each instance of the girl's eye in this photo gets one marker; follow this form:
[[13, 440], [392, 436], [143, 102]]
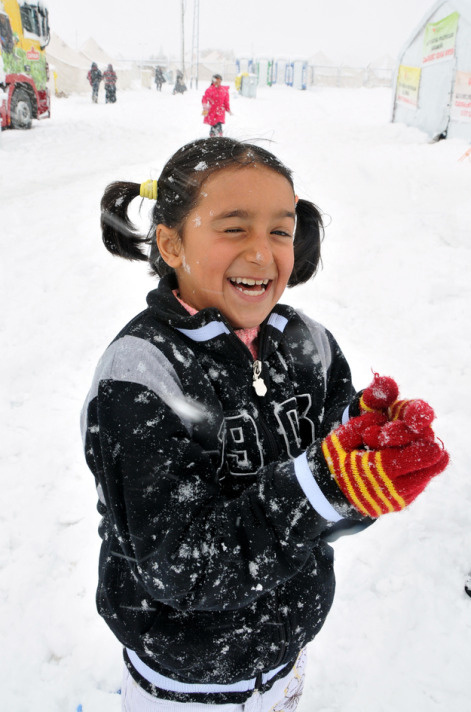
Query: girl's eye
[[283, 233]]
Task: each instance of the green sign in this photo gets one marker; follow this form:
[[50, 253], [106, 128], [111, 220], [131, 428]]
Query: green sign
[[439, 39]]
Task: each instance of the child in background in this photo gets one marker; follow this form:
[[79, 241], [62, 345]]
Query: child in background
[[94, 76], [215, 104], [228, 443], [110, 84]]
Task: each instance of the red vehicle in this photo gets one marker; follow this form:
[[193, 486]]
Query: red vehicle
[[24, 35]]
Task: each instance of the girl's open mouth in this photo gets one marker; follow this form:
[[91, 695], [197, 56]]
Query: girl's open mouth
[[251, 287]]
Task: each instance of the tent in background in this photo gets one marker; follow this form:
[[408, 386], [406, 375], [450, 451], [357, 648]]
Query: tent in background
[[95, 53], [433, 79], [70, 67]]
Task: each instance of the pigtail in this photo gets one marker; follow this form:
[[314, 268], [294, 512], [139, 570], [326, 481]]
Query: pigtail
[[307, 242], [118, 233]]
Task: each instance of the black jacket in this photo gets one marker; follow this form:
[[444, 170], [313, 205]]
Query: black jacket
[[214, 564], [94, 76]]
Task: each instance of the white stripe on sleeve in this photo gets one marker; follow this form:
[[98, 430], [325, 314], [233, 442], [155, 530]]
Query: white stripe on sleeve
[[312, 490]]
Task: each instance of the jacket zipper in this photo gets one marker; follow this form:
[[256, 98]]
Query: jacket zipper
[[261, 389], [283, 632], [272, 446], [257, 364], [275, 451], [257, 367]]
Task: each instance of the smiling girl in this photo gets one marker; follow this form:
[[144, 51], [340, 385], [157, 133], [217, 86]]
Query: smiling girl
[[213, 429]]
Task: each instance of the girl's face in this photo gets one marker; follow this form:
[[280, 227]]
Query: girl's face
[[236, 253]]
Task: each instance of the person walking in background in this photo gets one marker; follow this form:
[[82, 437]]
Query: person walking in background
[[94, 77], [215, 104], [110, 84], [159, 78], [180, 86]]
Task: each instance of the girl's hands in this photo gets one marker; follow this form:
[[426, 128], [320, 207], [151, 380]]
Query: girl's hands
[[384, 458]]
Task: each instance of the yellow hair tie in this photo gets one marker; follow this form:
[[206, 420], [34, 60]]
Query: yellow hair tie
[[149, 189]]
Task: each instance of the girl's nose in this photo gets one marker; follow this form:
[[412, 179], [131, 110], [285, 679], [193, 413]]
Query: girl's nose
[[259, 251]]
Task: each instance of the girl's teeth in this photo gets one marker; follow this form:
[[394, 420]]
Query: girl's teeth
[[252, 292], [241, 282], [249, 282]]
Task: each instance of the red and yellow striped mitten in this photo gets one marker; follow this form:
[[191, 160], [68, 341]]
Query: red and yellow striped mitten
[[379, 395], [388, 477], [408, 420]]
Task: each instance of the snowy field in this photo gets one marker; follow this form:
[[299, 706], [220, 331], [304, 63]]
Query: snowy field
[[395, 290]]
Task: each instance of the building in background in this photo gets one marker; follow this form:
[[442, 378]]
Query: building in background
[[433, 78]]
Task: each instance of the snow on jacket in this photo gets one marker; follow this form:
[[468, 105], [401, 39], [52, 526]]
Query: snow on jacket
[[216, 100], [214, 500], [94, 76], [159, 76], [109, 76]]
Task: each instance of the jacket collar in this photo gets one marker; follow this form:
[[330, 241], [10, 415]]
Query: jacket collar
[[209, 325]]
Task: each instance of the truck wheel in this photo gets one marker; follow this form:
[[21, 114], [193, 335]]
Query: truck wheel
[[21, 110]]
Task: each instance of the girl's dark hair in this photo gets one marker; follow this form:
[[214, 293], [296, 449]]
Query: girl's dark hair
[[179, 188]]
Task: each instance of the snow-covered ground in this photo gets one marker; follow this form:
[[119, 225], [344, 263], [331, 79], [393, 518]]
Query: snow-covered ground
[[395, 290]]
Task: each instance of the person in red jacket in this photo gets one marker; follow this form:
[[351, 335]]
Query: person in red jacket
[[215, 104], [110, 84]]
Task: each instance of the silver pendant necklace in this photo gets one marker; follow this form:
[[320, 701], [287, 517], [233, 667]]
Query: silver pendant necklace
[[258, 382]]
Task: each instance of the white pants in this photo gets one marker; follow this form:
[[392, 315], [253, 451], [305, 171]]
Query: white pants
[[283, 696]]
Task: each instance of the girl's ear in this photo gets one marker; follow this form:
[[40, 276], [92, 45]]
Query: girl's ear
[[170, 245]]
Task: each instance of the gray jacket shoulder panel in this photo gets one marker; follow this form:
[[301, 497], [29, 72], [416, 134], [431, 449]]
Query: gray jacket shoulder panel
[[320, 339], [134, 360]]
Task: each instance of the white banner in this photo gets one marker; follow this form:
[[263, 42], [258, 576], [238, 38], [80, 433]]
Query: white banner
[[461, 102]]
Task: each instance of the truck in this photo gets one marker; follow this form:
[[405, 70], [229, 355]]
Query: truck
[[24, 72]]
